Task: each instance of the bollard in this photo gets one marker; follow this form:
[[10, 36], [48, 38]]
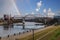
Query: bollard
[[19, 33], [27, 31], [8, 35], [0, 38], [23, 32], [14, 34]]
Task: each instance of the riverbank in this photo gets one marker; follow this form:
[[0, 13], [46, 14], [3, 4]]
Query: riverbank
[[24, 35], [39, 33]]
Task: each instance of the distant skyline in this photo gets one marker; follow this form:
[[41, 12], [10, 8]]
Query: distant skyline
[[33, 6]]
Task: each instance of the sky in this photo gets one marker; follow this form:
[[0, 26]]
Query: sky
[[23, 7], [8, 7], [29, 6]]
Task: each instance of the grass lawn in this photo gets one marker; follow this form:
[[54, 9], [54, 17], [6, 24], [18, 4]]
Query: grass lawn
[[51, 36], [55, 35]]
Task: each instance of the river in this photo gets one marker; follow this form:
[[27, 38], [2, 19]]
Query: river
[[16, 28]]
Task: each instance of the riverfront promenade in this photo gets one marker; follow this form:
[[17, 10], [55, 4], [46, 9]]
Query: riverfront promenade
[[20, 36]]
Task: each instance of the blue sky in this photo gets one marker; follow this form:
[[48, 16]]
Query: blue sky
[[41, 7], [28, 6]]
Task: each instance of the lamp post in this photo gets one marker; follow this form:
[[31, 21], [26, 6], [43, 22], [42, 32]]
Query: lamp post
[[33, 33]]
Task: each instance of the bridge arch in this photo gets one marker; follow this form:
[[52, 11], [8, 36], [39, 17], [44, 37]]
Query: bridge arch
[[30, 15]]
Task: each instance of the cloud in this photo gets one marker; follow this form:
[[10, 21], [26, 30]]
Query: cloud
[[57, 13], [26, 13], [32, 13], [44, 10], [37, 9], [49, 10], [38, 5], [50, 13]]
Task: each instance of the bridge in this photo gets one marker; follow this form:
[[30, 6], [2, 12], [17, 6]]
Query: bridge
[[28, 18], [33, 18]]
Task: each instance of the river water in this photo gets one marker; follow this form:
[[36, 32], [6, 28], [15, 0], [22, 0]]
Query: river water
[[16, 28]]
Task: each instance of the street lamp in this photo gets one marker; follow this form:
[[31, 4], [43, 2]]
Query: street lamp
[[33, 33], [34, 28]]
